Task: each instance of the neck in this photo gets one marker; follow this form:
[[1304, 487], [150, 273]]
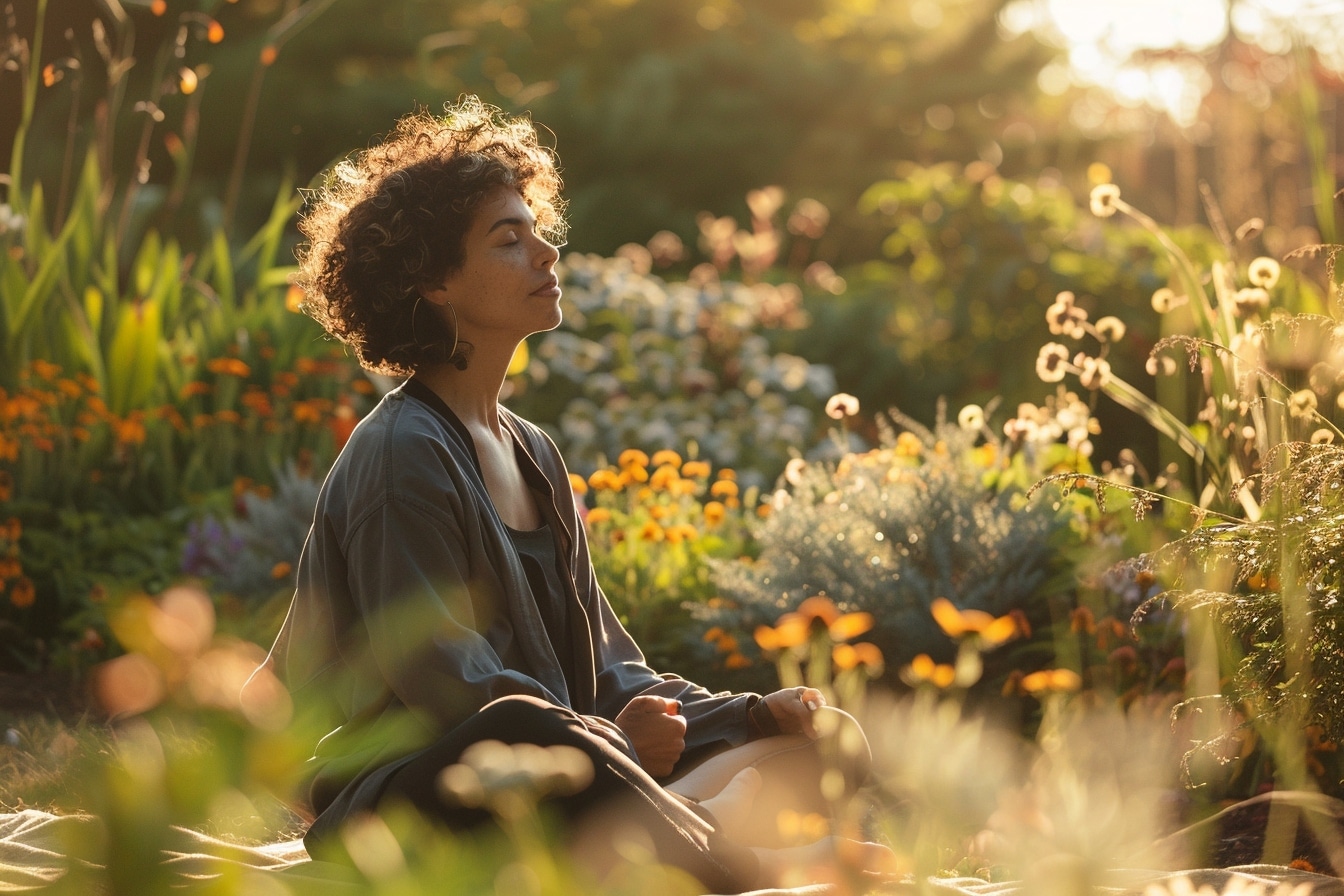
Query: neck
[[472, 394]]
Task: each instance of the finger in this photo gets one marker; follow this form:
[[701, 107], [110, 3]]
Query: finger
[[651, 703], [812, 698]]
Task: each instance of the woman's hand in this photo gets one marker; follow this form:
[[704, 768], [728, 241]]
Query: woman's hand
[[793, 709], [657, 729]]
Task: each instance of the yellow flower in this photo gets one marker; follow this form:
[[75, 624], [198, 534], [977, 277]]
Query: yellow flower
[[605, 479], [1302, 403], [632, 457], [957, 623], [714, 513], [695, 469], [598, 515], [850, 656], [666, 457], [578, 484], [923, 669], [724, 488], [636, 473], [651, 531], [728, 473], [908, 445], [664, 477], [1046, 680]]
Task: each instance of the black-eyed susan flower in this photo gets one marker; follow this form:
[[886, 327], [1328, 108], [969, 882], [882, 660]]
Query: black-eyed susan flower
[[923, 670], [1052, 680]]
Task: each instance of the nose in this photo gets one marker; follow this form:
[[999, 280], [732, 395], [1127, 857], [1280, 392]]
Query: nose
[[547, 254]]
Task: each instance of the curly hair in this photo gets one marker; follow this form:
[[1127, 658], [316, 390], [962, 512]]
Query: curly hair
[[390, 221]]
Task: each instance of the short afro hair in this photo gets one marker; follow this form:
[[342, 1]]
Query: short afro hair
[[390, 221]]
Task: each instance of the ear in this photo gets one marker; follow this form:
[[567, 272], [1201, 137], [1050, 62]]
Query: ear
[[437, 295]]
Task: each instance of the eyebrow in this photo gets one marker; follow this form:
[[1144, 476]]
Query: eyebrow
[[509, 222]]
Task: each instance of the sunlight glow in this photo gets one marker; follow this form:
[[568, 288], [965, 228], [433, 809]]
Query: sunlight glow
[[1101, 38]]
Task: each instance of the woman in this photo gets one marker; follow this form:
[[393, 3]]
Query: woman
[[445, 594]]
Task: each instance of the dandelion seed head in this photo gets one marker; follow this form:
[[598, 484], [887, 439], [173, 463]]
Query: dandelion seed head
[[1103, 200]]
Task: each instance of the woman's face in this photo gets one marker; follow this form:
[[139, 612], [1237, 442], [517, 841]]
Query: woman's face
[[506, 288]]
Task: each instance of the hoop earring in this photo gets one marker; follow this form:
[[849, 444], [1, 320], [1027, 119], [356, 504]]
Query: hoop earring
[[415, 337]]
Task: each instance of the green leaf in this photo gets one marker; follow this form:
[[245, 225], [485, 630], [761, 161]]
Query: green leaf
[[133, 357]]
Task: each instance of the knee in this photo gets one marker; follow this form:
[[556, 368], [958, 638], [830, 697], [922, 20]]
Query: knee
[[525, 718]]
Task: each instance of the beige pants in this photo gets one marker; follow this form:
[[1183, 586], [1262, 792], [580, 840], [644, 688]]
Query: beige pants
[[799, 776]]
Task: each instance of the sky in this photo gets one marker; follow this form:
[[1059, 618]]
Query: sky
[[1102, 35]]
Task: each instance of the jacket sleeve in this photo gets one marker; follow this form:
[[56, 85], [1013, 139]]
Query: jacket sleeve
[[410, 581]]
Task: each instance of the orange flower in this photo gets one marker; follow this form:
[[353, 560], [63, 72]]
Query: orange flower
[[598, 515], [664, 477], [633, 457], [306, 412], [228, 367], [736, 661], [10, 568], [23, 594], [258, 402], [605, 479], [281, 570], [923, 669], [728, 473], [578, 484], [13, 530], [957, 623], [724, 488], [695, 469], [228, 416], [130, 431], [790, 631], [714, 512], [1081, 621], [294, 299], [69, 388], [666, 457], [651, 531], [1047, 680], [6, 481], [45, 370], [851, 656]]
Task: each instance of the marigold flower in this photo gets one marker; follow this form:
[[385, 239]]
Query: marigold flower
[[1263, 272], [724, 488], [13, 530], [69, 388], [684, 532], [23, 594], [605, 479], [598, 515], [228, 416], [714, 513], [45, 370], [651, 531], [281, 570], [663, 478], [10, 568], [666, 457], [842, 405], [1052, 362], [6, 480], [1103, 200], [130, 431], [736, 661], [578, 484], [695, 469], [633, 457]]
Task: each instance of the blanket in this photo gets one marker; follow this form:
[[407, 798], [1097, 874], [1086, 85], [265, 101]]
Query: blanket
[[39, 849]]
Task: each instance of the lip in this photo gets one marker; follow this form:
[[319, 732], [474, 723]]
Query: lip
[[548, 290]]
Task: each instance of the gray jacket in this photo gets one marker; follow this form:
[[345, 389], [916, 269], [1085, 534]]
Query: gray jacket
[[412, 610]]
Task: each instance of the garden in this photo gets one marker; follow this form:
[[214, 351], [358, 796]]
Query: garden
[[899, 359]]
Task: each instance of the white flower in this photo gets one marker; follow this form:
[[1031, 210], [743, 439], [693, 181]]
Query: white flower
[[1322, 437], [1052, 362], [1251, 300], [1064, 318], [1110, 329], [1094, 372], [793, 471], [1103, 200], [9, 219], [971, 418], [1302, 403], [842, 405], [1165, 299], [1263, 272]]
